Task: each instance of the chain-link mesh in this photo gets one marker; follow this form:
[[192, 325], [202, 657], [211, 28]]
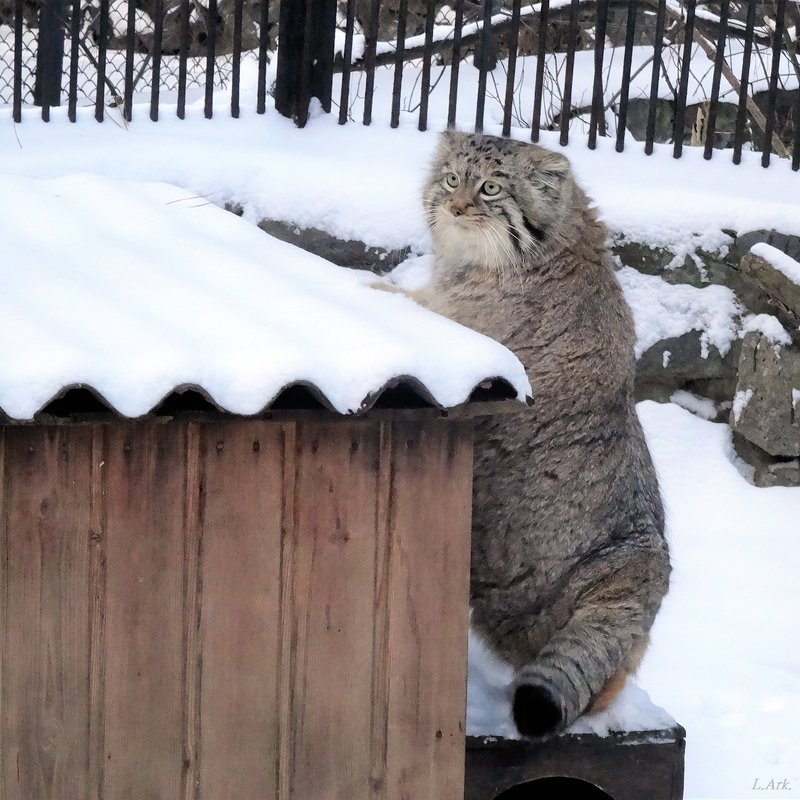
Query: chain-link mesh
[[89, 51], [7, 50]]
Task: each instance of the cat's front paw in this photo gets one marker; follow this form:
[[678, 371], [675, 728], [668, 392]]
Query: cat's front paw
[[536, 711]]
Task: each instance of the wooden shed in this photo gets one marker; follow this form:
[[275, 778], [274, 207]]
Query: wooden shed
[[255, 585], [227, 608]]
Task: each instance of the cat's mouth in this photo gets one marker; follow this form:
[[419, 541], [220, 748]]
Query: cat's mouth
[[474, 239], [466, 220]]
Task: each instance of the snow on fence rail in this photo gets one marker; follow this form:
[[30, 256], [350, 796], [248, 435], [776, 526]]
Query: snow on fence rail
[[712, 74]]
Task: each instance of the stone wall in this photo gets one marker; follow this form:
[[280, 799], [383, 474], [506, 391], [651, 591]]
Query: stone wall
[[756, 384]]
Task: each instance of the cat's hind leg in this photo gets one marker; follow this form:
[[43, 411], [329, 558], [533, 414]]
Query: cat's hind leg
[[601, 701], [606, 635]]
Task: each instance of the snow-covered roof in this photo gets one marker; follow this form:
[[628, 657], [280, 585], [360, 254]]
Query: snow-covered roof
[[135, 290]]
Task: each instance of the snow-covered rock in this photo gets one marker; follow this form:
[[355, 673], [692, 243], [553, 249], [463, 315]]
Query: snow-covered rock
[[777, 274]]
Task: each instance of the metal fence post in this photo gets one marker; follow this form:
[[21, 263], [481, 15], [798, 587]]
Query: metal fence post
[[50, 55], [305, 57]]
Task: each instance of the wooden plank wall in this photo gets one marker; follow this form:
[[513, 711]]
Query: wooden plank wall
[[236, 610]]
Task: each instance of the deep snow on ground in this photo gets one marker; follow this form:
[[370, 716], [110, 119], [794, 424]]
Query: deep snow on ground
[[725, 658]]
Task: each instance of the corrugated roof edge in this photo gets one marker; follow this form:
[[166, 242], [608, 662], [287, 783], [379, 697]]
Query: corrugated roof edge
[[403, 393]]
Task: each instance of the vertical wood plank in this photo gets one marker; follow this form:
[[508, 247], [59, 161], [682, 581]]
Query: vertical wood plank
[[97, 614], [379, 726], [45, 648], [331, 613], [428, 610], [287, 651], [192, 680], [144, 724], [241, 542], [286, 661]]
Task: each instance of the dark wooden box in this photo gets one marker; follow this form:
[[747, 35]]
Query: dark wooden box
[[644, 765]]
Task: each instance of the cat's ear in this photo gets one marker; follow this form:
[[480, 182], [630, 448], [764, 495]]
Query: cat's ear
[[446, 145], [450, 138], [552, 165]]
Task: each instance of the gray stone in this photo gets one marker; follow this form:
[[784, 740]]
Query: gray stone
[[767, 470], [785, 105], [764, 411], [345, 252], [659, 261], [389, 15], [784, 242], [638, 113], [657, 377], [643, 257], [784, 295], [781, 473]]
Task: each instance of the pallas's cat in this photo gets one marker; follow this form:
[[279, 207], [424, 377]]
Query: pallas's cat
[[569, 560]]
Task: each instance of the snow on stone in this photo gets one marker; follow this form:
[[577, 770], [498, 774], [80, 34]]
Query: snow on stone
[[768, 325], [699, 406], [662, 310], [782, 262], [140, 288], [740, 401], [796, 399]]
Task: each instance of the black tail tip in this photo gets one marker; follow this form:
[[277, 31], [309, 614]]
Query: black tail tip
[[536, 712]]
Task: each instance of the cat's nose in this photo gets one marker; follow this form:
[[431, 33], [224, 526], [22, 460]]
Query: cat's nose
[[458, 208]]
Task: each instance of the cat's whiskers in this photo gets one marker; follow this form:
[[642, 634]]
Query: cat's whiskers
[[499, 248], [513, 260], [519, 259]]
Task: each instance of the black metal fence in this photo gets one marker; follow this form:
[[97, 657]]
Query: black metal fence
[[721, 75]]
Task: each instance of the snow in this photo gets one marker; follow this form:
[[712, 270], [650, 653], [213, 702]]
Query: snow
[[740, 401], [700, 406], [725, 657], [725, 653], [782, 262], [767, 325], [663, 310], [139, 288]]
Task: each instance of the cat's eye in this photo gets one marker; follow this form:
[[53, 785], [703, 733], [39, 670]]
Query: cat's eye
[[490, 188], [452, 180]]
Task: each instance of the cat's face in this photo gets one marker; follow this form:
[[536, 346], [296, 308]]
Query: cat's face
[[493, 203]]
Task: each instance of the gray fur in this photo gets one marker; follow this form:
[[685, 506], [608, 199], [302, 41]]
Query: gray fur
[[569, 560]]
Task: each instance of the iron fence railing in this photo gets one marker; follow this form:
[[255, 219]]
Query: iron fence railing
[[719, 75]]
